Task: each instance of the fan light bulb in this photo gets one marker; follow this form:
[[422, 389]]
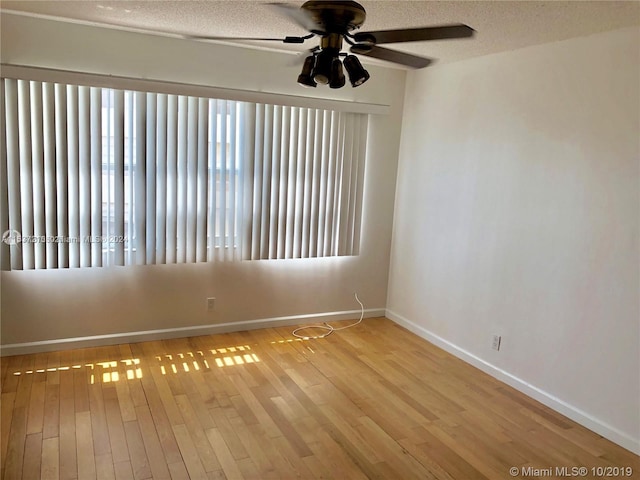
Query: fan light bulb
[[322, 70], [357, 74], [304, 78], [337, 75]]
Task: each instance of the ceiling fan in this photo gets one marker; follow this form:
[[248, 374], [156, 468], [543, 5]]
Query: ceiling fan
[[333, 21]]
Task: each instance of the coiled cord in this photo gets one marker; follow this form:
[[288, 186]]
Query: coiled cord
[[329, 329]]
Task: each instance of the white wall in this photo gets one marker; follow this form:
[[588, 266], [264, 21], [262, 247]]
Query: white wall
[[59, 304], [517, 213]]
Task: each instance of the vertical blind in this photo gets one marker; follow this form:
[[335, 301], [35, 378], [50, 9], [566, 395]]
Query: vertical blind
[[96, 176], [306, 188]]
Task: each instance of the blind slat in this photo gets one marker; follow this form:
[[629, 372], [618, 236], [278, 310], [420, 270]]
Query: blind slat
[[300, 183], [183, 123], [308, 183], [291, 182], [49, 153], [324, 167], [37, 169], [26, 185], [315, 185], [13, 156], [212, 168], [331, 183], [140, 177], [231, 191], [107, 178], [283, 182], [192, 184], [358, 204], [276, 152], [161, 179], [338, 184], [61, 165], [73, 151], [256, 234], [150, 182], [353, 185], [172, 179], [119, 187], [345, 187], [5, 252], [202, 180], [221, 204], [130, 152], [96, 176], [84, 161], [248, 120]]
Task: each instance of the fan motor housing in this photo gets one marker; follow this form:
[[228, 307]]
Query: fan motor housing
[[335, 17]]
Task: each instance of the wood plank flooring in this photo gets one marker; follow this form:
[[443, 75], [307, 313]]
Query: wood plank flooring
[[373, 401]]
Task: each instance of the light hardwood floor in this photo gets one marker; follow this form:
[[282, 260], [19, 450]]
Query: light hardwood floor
[[373, 401]]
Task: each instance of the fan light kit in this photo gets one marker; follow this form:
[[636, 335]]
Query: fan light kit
[[333, 21]]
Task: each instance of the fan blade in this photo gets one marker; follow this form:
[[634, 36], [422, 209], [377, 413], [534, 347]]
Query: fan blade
[[416, 34], [394, 56], [298, 15], [282, 40]]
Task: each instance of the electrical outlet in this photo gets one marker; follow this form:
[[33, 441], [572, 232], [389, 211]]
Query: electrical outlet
[[495, 343], [211, 304]]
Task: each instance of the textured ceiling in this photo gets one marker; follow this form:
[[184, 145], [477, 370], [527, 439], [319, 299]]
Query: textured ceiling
[[500, 25]]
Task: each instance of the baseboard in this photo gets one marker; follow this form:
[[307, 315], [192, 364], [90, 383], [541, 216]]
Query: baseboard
[[191, 331], [560, 406]]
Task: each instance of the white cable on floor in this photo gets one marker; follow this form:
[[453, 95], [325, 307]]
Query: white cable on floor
[[328, 328]]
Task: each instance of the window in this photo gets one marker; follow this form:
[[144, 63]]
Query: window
[[97, 176]]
